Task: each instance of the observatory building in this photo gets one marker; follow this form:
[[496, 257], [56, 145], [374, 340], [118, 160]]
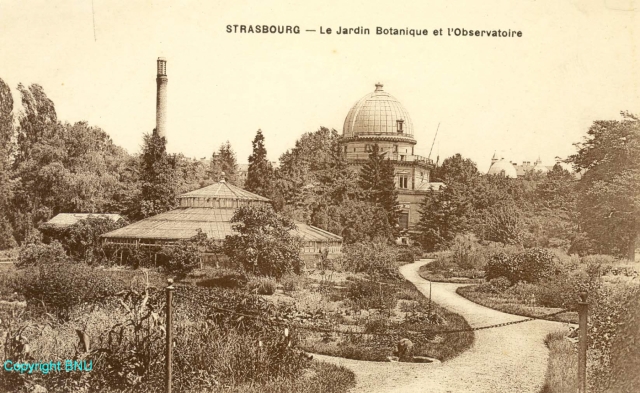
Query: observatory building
[[379, 118]]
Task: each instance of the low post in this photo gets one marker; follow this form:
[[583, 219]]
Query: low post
[[429, 297], [583, 309], [169, 341]]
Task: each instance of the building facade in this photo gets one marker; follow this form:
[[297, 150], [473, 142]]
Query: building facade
[[379, 118]]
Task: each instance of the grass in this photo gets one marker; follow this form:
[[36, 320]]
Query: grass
[[513, 305], [562, 366], [320, 378]]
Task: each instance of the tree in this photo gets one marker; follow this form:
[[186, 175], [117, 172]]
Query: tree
[[456, 168], [224, 161], [6, 135], [354, 220], [264, 243], [260, 173], [314, 173], [377, 180], [609, 190], [158, 177], [443, 215]]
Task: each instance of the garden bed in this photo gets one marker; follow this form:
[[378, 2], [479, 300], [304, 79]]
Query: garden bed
[[364, 320], [512, 304]]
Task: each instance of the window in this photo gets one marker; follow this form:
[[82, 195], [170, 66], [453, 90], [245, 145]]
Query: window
[[395, 148], [403, 220], [399, 124], [401, 158], [404, 181]]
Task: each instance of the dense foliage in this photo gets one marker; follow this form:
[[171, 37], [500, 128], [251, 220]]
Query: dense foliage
[[82, 240], [531, 265], [376, 259], [315, 185], [264, 243], [609, 191], [60, 286]]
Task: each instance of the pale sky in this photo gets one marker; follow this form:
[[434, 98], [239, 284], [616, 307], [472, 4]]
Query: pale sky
[[577, 61]]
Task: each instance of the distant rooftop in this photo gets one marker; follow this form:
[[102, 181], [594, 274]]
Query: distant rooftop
[[63, 220]]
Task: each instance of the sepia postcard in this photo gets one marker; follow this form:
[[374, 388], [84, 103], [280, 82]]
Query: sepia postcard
[[320, 196]]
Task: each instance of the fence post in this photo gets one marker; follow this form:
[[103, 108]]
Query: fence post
[[583, 309], [169, 338]]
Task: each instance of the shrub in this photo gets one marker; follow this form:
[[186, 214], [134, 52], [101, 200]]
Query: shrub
[[292, 282], [502, 265], [181, 258], [366, 295], [262, 285], [500, 284], [61, 286], [33, 254], [264, 244], [375, 259], [536, 264], [531, 265]]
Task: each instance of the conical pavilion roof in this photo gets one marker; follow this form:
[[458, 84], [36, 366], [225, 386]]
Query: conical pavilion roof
[[223, 190]]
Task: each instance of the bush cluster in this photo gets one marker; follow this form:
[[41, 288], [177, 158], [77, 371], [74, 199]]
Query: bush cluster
[[375, 259], [613, 339], [366, 295], [531, 265], [60, 286], [33, 254]]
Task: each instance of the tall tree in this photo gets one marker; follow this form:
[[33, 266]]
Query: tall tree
[[224, 160], [6, 135], [377, 180], [609, 190], [444, 214], [158, 177], [260, 174]]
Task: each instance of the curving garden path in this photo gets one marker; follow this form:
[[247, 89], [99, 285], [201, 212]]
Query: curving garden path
[[505, 359]]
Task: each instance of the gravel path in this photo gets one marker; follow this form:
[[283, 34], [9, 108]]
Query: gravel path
[[506, 359]]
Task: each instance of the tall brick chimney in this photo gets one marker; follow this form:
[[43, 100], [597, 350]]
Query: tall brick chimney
[[161, 98]]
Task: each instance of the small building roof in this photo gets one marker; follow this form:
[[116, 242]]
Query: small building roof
[[63, 220]]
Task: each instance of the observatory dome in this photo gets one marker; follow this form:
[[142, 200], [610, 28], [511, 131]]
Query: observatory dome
[[378, 113], [503, 168]]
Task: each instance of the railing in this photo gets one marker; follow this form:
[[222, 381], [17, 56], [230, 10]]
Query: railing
[[393, 157]]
